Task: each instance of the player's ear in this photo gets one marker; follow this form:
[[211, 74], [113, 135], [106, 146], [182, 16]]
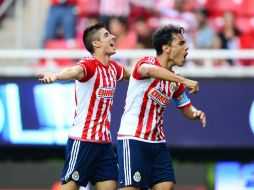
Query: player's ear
[[166, 48], [95, 43]]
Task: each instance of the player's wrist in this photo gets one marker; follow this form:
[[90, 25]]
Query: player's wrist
[[184, 81], [57, 76]]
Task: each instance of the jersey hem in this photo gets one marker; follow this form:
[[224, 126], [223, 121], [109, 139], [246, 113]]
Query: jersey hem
[[87, 140], [122, 137]]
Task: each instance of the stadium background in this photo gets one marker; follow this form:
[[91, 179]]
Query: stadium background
[[34, 118]]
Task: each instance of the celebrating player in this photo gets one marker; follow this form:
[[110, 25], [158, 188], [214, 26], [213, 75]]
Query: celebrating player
[[143, 158], [89, 151]]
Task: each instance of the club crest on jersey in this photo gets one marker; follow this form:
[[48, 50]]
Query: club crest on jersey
[[137, 176], [75, 176], [159, 97], [105, 92], [173, 87]]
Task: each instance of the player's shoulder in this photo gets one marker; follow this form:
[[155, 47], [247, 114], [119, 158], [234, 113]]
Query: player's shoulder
[[88, 62], [111, 61], [114, 63], [86, 59], [148, 60]]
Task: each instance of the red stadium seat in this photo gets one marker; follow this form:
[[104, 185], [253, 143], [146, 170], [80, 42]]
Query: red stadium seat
[[248, 8], [62, 45], [57, 44], [88, 8], [245, 24], [247, 42], [218, 7]]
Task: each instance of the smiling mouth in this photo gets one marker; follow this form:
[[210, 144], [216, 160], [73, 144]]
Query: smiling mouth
[[185, 55]]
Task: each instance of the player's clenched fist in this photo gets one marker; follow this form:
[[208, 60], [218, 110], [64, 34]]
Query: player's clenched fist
[[192, 85], [47, 77]]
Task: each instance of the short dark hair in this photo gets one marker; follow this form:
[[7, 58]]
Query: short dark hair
[[164, 36], [91, 34]]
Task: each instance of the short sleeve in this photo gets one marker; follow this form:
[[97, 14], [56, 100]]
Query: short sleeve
[[145, 60], [89, 68], [179, 90]]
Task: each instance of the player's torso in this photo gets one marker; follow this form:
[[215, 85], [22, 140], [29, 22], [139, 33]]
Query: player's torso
[[94, 100], [145, 104]]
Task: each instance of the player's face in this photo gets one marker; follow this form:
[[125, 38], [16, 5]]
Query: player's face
[[179, 50], [107, 42]]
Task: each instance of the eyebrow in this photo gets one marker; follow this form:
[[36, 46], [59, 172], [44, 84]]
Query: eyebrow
[[182, 41], [106, 33]]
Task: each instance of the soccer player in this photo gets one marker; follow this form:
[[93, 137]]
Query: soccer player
[[143, 158], [89, 152]]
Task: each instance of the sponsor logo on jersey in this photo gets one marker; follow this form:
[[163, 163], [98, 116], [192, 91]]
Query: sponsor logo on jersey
[[159, 97], [137, 176], [75, 176], [105, 92]]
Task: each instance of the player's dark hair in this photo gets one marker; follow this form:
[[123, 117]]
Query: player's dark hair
[[164, 36], [90, 34]]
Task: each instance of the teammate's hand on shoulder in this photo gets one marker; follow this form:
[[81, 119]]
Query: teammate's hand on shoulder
[[198, 114], [47, 77], [192, 85]]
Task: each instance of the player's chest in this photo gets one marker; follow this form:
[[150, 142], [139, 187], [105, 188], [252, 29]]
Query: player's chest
[[105, 84], [162, 93]]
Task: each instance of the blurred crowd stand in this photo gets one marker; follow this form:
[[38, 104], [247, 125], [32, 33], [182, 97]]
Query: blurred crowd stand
[[61, 21], [207, 26]]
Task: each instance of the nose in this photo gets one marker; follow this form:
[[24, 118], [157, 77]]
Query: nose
[[187, 47], [113, 36]]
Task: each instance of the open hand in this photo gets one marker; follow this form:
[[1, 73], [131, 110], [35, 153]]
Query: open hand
[[201, 116], [47, 77]]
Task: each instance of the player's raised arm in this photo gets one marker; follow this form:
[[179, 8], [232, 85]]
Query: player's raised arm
[[69, 73], [194, 114], [157, 72]]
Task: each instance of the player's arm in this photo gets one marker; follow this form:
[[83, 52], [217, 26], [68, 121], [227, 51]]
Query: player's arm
[[194, 114], [69, 73], [154, 71], [127, 74]]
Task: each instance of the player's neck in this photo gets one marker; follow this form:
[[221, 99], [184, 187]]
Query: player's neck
[[104, 59], [164, 62]]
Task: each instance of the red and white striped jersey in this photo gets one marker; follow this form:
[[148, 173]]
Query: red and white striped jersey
[[145, 104], [94, 99]]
